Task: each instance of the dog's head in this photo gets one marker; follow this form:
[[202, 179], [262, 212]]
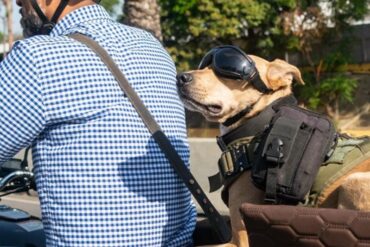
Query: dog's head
[[224, 86]]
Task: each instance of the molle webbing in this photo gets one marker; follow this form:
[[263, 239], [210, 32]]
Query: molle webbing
[[256, 124], [349, 156], [291, 153], [239, 145]]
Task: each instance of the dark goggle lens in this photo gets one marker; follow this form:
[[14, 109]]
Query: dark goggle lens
[[207, 59], [229, 62]]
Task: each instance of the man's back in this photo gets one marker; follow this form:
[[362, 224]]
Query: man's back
[[101, 178]]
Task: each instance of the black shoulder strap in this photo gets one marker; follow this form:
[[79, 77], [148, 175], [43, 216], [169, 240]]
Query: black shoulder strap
[[164, 143]]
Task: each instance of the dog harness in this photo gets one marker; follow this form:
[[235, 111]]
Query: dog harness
[[294, 155], [239, 147], [350, 155]]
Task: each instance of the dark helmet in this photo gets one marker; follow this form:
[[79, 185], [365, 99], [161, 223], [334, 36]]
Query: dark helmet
[[48, 25]]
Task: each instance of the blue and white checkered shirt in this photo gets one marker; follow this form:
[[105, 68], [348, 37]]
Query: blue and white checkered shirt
[[101, 178]]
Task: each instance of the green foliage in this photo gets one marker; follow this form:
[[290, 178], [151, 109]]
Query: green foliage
[[110, 5], [335, 88], [192, 27], [339, 86], [269, 29]]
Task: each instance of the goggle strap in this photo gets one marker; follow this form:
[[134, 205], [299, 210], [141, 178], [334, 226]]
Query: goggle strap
[[258, 84]]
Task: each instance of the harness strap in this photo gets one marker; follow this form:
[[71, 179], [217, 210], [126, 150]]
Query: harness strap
[[234, 159], [232, 163], [255, 125], [271, 182]]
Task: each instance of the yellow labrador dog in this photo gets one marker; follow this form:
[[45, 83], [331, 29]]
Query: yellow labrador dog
[[226, 89]]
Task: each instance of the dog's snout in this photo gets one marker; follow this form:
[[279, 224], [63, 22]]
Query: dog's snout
[[184, 78]]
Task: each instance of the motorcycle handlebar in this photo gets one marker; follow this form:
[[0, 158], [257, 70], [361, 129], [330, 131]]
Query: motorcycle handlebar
[[15, 175]]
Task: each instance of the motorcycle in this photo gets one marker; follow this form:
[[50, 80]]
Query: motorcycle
[[17, 227]]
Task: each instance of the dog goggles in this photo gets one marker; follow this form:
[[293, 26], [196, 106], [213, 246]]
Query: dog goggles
[[231, 62]]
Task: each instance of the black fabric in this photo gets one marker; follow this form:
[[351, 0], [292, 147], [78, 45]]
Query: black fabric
[[238, 116], [255, 125], [204, 233], [290, 154]]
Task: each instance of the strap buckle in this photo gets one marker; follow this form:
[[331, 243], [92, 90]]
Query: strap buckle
[[234, 160], [274, 151]]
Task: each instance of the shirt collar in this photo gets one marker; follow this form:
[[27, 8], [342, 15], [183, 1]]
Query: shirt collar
[[78, 16]]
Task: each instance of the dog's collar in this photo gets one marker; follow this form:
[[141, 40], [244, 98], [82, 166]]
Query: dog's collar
[[238, 116], [256, 124]]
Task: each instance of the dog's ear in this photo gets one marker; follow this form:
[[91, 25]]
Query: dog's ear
[[281, 74]]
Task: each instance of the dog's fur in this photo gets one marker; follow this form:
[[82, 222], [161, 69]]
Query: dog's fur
[[219, 99]]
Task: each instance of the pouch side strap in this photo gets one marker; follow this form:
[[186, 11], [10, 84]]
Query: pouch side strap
[[271, 185]]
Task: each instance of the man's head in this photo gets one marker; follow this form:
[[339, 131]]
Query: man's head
[[40, 16]]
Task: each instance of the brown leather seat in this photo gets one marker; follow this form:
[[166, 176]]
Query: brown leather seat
[[293, 226]]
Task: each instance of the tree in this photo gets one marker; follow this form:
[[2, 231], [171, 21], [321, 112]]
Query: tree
[[313, 28], [271, 28], [143, 14], [191, 27], [110, 5]]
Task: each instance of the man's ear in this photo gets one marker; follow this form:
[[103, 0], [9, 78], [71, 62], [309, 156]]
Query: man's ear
[[281, 74]]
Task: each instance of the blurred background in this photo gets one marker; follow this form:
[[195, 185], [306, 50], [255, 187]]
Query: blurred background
[[328, 40]]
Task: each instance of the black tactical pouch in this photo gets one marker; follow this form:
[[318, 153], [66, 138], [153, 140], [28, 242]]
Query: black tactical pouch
[[290, 154]]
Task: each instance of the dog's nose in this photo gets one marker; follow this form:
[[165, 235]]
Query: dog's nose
[[183, 79]]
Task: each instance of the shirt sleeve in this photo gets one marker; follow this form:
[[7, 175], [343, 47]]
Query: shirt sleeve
[[21, 105]]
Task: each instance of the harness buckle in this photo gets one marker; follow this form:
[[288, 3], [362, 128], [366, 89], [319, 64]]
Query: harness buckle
[[274, 152], [234, 160]]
